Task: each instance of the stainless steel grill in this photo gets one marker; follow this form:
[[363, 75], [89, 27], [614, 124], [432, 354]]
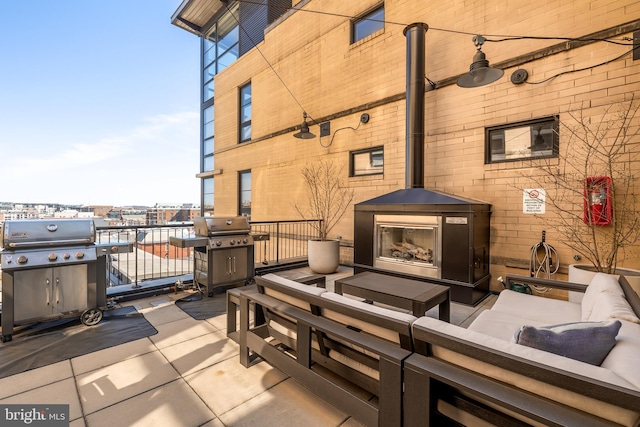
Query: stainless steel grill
[[52, 268], [223, 251]]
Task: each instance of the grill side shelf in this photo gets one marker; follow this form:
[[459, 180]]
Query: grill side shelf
[[189, 242]]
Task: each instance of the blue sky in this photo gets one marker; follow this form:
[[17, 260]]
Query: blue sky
[[98, 103]]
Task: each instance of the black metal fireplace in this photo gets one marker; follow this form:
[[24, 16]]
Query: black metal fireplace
[[426, 235]]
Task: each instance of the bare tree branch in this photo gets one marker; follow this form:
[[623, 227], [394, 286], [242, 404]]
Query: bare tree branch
[[594, 144]]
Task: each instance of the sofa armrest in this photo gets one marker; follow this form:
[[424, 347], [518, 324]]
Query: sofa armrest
[[555, 284], [430, 383]]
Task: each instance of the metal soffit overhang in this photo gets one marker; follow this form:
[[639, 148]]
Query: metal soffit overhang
[[193, 15]]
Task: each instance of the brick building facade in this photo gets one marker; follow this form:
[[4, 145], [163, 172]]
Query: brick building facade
[[308, 59]]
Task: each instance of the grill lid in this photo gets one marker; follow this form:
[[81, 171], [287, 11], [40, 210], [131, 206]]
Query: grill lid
[[48, 232], [214, 226]]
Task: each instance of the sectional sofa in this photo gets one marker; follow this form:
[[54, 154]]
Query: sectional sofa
[[388, 368], [481, 376]]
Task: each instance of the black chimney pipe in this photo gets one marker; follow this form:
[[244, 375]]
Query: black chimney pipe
[[415, 34]]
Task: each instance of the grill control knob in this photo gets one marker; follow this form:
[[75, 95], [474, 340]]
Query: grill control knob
[[79, 255], [218, 242], [22, 259], [66, 255], [53, 256], [245, 240], [232, 242]]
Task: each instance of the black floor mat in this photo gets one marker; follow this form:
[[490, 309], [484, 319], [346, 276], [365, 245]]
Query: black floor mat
[[201, 307], [50, 342]]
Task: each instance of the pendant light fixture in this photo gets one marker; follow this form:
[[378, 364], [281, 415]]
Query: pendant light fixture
[[480, 73], [304, 129]]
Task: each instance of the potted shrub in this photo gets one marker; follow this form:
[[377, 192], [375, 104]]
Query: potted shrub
[[593, 188], [327, 201]]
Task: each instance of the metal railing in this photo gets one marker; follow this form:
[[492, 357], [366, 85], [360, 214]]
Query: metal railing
[[153, 258]]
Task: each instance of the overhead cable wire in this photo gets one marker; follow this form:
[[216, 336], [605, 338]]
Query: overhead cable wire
[[255, 45], [617, 58], [467, 33], [502, 38]]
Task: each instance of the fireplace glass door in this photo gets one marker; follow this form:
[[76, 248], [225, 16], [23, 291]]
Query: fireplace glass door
[[408, 244]]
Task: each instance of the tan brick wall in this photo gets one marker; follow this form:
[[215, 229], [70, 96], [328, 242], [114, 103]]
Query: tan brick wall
[[312, 55]]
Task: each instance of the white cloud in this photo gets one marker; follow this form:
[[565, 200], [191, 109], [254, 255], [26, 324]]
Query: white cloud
[[152, 162]]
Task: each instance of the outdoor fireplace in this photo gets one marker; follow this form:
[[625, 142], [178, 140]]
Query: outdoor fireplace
[[426, 235]]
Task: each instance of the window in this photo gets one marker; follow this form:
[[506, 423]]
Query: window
[[244, 178], [207, 195], [245, 113], [367, 24], [366, 162], [219, 50], [524, 140], [207, 139]]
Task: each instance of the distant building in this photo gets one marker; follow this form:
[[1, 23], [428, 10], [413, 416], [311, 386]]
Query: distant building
[[171, 214]]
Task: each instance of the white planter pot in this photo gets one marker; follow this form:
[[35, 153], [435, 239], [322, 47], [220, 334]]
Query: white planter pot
[[324, 256], [583, 273]]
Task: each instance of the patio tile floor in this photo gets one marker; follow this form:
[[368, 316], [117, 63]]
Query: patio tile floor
[[187, 374]]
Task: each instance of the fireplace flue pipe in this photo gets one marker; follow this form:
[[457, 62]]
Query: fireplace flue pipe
[[415, 34]]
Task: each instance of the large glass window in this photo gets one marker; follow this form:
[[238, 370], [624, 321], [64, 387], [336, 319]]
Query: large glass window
[[244, 178], [367, 24], [245, 113], [207, 139], [219, 50], [207, 196], [366, 162], [523, 140]]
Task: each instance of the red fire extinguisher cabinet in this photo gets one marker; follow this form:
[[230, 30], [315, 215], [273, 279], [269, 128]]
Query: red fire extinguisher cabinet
[[597, 200]]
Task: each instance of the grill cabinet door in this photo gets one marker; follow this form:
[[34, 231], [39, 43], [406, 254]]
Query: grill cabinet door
[[69, 288], [32, 294], [42, 292], [229, 265]]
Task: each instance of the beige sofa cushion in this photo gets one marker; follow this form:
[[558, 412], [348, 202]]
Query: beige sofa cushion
[[624, 357], [298, 302], [500, 325], [362, 325], [530, 307], [600, 283], [612, 306]]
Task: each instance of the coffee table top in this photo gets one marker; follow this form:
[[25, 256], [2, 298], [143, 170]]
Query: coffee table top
[[395, 286]]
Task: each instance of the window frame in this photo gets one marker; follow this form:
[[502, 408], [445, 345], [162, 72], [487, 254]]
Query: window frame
[[371, 151], [205, 194], [551, 149], [244, 211], [365, 17], [207, 155], [242, 125]]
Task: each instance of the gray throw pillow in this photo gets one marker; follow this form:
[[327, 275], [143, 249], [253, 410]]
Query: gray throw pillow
[[588, 342]]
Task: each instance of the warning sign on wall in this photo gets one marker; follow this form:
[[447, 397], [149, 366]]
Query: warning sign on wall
[[533, 201]]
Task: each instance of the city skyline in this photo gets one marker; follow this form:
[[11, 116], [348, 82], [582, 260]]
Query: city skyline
[[100, 104]]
